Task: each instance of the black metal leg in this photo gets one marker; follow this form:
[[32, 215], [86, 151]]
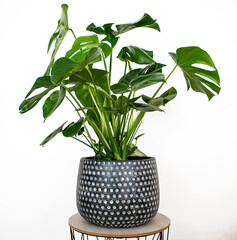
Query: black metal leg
[[159, 236], [162, 236], [72, 234], [168, 231], [153, 236]]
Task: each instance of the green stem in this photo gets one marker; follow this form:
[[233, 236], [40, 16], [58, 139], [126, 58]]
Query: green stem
[[110, 66], [73, 33], [73, 106], [103, 57], [80, 117], [154, 95], [88, 119], [82, 142], [140, 116]]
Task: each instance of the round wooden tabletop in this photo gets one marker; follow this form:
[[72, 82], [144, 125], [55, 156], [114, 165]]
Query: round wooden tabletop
[[158, 224]]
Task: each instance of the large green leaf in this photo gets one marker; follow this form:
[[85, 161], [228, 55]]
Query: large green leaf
[[53, 102], [83, 94], [29, 103], [143, 107], [139, 78], [200, 79], [73, 128], [82, 45], [96, 78], [164, 98], [58, 36], [130, 75], [53, 134], [119, 88], [41, 82], [82, 42], [106, 29], [146, 80], [145, 21], [150, 68], [61, 68], [136, 54], [65, 67]]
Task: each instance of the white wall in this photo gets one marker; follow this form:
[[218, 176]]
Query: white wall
[[194, 142]]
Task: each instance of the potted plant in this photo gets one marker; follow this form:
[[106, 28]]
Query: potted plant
[[118, 186]]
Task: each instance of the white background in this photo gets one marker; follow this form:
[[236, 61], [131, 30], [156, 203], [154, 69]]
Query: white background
[[194, 142]]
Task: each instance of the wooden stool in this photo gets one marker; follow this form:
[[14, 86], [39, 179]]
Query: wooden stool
[[155, 228]]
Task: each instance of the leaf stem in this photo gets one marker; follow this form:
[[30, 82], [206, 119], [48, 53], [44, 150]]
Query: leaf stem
[[72, 33], [83, 142], [154, 95], [88, 119], [140, 116]]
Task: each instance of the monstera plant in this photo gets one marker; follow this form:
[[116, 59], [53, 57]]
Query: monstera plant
[[118, 186], [113, 109]]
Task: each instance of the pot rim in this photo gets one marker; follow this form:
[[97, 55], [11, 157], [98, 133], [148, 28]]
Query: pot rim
[[130, 159]]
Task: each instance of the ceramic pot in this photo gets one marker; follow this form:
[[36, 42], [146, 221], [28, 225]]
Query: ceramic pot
[[118, 194]]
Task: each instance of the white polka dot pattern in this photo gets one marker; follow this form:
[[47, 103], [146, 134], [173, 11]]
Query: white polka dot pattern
[[118, 193]]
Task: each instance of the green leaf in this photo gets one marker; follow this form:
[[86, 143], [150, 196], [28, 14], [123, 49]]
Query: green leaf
[[105, 48], [53, 102], [84, 44], [164, 98], [73, 128], [145, 21], [146, 80], [58, 36], [119, 88], [106, 29], [83, 94], [92, 28], [99, 80], [130, 75], [41, 82], [136, 54], [142, 107], [150, 68], [112, 40], [52, 135], [61, 68], [65, 67], [86, 40], [53, 37], [29, 103], [200, 80]]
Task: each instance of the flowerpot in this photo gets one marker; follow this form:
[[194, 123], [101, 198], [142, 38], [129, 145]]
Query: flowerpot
[[118, 194]]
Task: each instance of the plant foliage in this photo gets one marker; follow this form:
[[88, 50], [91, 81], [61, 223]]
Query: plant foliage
[[113, 111]]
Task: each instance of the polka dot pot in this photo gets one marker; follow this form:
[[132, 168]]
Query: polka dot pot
[[118, 194]]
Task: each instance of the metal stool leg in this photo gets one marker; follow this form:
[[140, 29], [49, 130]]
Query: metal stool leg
[[168, 231], [162, 235], [72, 234]]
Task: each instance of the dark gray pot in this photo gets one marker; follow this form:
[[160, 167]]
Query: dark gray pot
[[118, 193]]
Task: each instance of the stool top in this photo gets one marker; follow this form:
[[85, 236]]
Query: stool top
[[158, 224]]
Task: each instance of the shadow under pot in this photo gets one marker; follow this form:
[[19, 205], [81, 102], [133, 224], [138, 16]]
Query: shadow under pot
[[118, 194]]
